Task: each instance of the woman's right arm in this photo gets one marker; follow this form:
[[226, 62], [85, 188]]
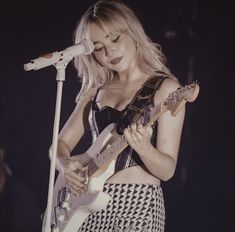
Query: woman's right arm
[[69, 136]]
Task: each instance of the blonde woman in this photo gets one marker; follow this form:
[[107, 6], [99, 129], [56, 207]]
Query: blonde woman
[[124, 58]]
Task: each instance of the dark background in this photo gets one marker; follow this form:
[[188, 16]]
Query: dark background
[[198, 39]]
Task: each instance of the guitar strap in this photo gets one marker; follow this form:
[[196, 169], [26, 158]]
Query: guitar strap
[[139, 103]]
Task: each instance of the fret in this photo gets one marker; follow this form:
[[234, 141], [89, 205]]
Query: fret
[[117, 143]]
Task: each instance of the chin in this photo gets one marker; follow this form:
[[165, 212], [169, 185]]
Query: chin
[[121, 69]]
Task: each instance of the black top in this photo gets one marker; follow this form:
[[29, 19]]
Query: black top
[[107, 115], [103, 117]]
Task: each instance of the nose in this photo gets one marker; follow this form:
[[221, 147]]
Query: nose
[[108, 51]]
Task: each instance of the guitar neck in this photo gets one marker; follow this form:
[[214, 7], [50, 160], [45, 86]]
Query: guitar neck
[[154, 113], [113, 148], [118, 143]]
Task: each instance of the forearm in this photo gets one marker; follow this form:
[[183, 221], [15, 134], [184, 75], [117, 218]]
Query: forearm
[[67, 166], [63, 151], [159, 164], [63, 154]]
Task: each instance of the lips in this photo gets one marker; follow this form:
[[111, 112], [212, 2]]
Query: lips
[[115, 60]]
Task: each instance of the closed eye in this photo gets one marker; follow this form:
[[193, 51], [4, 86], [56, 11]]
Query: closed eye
[[116, 39], [98, 49]]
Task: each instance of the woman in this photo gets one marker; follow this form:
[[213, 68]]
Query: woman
[[124, 58]]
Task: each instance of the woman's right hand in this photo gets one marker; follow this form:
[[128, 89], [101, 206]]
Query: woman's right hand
[[75, 175]]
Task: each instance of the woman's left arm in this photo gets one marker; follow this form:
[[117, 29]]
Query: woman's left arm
[[160, 160]]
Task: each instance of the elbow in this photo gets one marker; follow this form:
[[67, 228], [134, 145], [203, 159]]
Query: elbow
[[60, 146], [167, 176], [169, 170]]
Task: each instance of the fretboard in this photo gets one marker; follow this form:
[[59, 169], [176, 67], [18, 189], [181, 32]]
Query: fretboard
[[118, 143]]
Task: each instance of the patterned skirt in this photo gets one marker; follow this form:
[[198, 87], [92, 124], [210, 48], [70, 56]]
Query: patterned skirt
[[131, 208]]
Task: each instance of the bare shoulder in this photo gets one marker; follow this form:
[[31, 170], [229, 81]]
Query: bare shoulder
[[168, 86], [74, 127], [84, 98]]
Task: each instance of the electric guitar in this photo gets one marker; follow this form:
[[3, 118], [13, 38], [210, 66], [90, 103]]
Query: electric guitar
[[68, 210]]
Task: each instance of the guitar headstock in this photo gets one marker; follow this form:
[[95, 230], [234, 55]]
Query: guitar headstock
[[178, 98]]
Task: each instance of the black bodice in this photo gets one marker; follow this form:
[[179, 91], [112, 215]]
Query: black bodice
[[107, 115]]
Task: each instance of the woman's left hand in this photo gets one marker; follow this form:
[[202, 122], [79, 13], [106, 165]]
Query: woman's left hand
[[138, 136]]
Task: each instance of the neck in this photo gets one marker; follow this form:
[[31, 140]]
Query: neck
[[132, 74]]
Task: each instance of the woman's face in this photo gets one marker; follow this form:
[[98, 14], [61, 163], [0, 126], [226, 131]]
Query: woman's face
[[115, 52]]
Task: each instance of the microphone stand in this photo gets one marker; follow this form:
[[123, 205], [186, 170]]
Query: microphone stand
[[60, 78]]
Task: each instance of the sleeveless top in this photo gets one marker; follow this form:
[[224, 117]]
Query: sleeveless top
[[101, 118]]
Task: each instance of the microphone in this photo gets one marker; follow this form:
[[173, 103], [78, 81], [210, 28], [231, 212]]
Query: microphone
[[85, 47]]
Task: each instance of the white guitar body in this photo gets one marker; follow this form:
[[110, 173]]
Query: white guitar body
[[70, 211]]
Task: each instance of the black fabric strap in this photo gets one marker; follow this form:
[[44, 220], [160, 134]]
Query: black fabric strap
[[141, 100]]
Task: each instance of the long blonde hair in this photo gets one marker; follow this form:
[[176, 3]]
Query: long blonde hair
[[115, 17]]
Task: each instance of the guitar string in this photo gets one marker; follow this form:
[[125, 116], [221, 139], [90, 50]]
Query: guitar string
[[90, 163]]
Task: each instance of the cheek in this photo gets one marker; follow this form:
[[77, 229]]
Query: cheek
[[99, 58], [130, 46]]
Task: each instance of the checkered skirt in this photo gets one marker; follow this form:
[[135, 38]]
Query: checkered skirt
[[131, 208]]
